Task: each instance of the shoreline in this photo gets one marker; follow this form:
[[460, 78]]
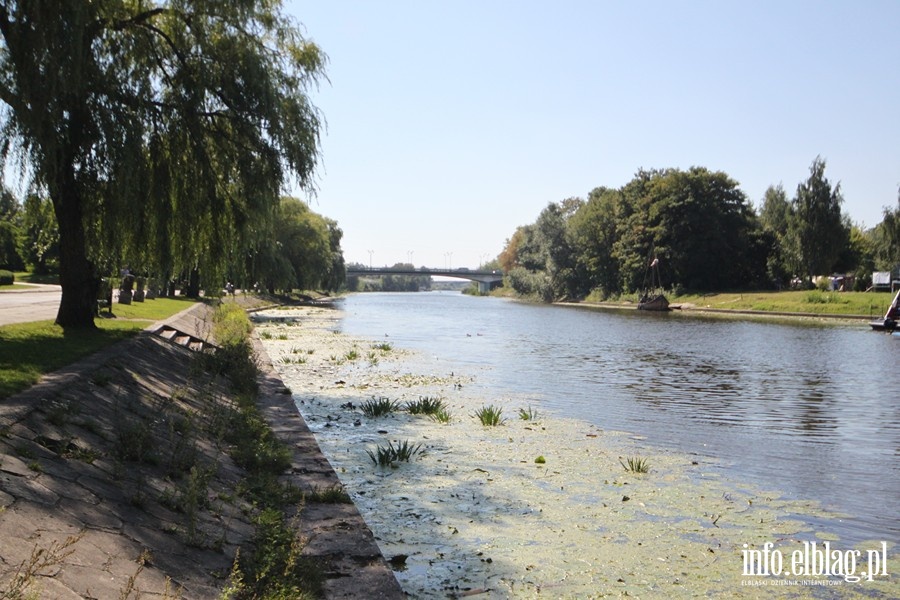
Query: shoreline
[[708, 311], [474, 514]]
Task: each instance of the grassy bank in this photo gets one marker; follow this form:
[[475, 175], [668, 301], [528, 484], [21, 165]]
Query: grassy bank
[[30, 350], [816, 302], [811, 301]]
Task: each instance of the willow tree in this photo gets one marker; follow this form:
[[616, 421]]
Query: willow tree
[[163, 132]]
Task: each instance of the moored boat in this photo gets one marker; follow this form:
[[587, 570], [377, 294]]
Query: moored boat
[[657, 302], [889, 321], [652, 298]]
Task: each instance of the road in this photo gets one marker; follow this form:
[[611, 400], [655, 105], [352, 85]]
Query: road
[[37, 304]]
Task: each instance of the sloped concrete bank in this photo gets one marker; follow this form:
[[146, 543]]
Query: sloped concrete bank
[[89, 507]]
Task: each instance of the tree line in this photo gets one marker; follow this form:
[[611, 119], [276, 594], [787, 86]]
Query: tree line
[[162, 134], [705, 233], [388, 282], [302, 250]]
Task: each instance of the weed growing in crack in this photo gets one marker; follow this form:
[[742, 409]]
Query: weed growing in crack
[[335, 494], [21, 584]]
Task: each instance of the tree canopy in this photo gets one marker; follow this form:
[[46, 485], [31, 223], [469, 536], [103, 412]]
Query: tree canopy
[[163, 132], [821, 233], [697, 222], [704, 231], [304, 252]]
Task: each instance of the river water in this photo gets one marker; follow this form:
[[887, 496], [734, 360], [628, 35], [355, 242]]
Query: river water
[[805, 408]]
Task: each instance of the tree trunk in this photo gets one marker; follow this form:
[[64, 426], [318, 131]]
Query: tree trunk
[[193, 287], [77, 274]]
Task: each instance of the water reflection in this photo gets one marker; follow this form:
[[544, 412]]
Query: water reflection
[[805, 408]]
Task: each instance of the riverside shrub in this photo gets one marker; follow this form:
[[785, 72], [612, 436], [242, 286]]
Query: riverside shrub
[[234, 358]]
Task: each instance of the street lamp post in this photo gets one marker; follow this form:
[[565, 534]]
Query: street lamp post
[[371, 252]]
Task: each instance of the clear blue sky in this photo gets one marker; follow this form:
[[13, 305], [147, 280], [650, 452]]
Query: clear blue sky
[[452, 123]]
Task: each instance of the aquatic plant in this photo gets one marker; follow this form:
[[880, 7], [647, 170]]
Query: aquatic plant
[[425, 406], [383, 346], [441, 416], [490, 415], [636, 465], [385, 456], [528, 415], [378, 407]]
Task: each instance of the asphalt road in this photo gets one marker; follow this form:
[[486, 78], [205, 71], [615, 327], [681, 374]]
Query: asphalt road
[[38, 303]]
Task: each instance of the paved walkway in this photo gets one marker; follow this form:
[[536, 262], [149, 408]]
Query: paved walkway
[[89, 507], [36, 302]]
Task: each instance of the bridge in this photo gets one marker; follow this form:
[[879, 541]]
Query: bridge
[[484, 278]]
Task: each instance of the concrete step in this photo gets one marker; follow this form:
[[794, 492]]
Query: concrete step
[[166, 333], [183, 339]]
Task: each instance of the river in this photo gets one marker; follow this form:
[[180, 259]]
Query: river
[[807, 408]]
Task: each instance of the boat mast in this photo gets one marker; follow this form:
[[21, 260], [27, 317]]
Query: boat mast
[[894, 308]]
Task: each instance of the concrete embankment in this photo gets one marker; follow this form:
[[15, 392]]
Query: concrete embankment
[[89, 504]]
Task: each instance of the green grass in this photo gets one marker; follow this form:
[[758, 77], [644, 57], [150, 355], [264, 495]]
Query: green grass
[[868, 304], [801, 301], [150, 310], [29, 350], [27, 277]]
